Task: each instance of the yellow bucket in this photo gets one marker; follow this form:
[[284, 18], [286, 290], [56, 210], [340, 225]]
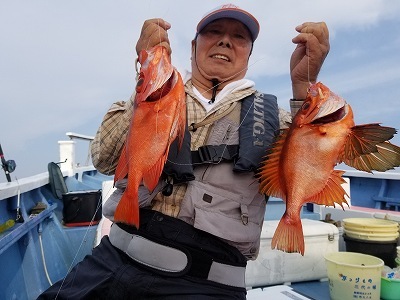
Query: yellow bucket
[[353, 275], [370, 224], [378, 236]]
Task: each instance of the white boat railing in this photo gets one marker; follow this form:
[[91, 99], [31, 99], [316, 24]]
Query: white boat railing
[[68, 165]]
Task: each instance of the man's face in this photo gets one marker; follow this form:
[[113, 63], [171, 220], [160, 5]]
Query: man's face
[[222, 51]]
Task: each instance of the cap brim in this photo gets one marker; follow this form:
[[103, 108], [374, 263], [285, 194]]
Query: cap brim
[[247, 19]]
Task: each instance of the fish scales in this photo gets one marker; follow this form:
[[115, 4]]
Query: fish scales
[[159, 117]]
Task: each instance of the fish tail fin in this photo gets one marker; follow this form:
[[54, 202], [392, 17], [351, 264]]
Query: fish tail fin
[[288, 236], [127, 210]]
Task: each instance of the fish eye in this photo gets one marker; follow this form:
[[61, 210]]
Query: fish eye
[[306, 105], [139, 83]]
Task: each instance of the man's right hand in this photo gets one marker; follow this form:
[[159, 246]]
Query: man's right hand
[[154, 32]]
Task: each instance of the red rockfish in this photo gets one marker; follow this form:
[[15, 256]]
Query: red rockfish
[[300, 166], [159, 117]]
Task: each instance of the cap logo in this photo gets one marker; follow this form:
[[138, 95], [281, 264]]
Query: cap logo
[[229, 6]]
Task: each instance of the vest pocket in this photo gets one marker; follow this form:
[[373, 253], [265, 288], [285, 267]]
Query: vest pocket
[[221, 213]]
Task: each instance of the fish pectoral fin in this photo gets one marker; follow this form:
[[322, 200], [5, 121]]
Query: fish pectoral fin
[[152, 176], [367, 148], [385, 158], [363, 139], [269, 172], [333, 191]]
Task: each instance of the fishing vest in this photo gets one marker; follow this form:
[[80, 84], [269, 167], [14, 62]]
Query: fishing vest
[[222, 195], [259, 124]]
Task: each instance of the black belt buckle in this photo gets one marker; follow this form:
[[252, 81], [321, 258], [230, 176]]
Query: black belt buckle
[[210, 153], [216, 153], [207, 154]]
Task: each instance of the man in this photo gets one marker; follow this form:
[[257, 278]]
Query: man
[[196, 234]]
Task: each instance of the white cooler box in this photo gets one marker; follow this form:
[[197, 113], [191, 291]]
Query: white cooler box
[[277, 267]]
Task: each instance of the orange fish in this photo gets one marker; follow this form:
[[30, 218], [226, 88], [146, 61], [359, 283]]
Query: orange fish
[[159, 117], [300, 166]]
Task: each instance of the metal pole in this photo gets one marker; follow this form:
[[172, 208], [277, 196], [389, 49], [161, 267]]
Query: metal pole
[[3, 164]]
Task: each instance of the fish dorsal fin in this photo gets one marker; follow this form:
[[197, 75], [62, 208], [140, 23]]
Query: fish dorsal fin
[[152, 176], [269, 172], [367, 149], [333, 191]]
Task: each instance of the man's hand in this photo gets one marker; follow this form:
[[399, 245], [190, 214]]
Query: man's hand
[[308, 57], [154, 32]]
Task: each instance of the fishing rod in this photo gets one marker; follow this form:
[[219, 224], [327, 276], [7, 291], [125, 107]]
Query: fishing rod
[[7, 165]]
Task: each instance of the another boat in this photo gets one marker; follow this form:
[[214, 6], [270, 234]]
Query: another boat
[[40, 241]]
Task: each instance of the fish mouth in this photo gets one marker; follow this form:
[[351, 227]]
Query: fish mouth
[[332, 117], [331, 110], [162, 91]]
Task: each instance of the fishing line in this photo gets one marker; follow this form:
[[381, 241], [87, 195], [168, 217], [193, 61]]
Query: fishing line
[[237, 129], [227, 79], [225, 145], [159, 38], [114, 158], [132, 98], [308, 58], [84, 240], [107, 194]]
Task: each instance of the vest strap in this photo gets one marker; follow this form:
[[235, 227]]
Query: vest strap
[[193, 127], [214, 153]]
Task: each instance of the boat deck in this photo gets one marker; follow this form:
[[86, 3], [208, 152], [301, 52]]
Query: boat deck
[[309, 290], [41, 249]]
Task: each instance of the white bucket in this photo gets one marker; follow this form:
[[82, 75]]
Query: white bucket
[[354, 275]]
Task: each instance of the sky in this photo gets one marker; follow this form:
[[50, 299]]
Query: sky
[[63, 63]]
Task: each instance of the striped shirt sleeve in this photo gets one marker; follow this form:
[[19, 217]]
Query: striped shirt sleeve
[[295, 106], [110, 137]]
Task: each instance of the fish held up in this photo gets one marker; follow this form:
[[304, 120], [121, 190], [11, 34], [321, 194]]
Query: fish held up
[[300, 166], [159, 117]]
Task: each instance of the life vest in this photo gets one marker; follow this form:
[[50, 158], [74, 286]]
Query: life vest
[[259, 124]]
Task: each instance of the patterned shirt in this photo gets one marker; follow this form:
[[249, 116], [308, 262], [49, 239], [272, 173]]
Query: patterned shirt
[[110, 137]]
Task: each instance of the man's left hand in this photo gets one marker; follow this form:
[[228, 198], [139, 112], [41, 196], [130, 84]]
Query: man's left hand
[[309, 55]]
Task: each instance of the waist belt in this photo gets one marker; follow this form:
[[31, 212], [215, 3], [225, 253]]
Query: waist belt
[[172, 261]]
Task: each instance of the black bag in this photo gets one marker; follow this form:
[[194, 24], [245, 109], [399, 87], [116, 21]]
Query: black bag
[[82, 208]]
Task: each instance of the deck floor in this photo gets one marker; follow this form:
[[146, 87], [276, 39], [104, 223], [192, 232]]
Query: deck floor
[[311, 290]]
